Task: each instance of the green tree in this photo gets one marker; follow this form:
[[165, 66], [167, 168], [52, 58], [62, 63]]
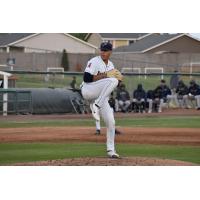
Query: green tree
[[79, 35], [65, 62]]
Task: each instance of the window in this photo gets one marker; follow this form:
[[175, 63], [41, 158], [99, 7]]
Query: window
[[111, 41]]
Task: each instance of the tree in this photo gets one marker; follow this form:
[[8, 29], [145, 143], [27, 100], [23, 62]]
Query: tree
[[79, 35], [65, 62]]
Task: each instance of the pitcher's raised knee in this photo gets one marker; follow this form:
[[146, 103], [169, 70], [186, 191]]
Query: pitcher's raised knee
[[114, 81]]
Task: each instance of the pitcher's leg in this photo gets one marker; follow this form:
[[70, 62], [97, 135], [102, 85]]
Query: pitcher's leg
[[108, 117], [98, 91], [98, 127], [92, 91], [109, 85]]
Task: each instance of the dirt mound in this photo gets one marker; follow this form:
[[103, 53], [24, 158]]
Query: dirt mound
[[101, 161]]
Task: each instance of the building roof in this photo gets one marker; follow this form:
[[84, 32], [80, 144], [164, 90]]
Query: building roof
[[149, 42], [119, 36], [122, 35], [8, 38]]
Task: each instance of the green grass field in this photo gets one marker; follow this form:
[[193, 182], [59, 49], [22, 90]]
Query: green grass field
[[174, 122], [26, 152]]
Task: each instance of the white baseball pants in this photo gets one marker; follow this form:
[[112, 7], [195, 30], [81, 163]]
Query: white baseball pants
[[99, 92]]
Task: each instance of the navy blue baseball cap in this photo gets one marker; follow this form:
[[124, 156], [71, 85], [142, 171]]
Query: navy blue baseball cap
[[106, 46]]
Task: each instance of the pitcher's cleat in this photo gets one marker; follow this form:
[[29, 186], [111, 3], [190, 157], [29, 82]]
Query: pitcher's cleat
[[113, 154], [117, 132], [98, 132]]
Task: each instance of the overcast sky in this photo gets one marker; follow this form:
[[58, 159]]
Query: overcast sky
[[196, 35]]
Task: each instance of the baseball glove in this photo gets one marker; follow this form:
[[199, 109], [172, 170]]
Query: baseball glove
[[114, 73]]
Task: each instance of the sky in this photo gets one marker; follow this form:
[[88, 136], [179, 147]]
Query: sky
[[195, 35]]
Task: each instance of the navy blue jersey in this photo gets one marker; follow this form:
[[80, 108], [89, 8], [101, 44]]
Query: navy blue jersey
[[157, 93], [139, 94], [194, 89], [182, 90], [165, 91], [162, 92], [150, 94], [123, 95]]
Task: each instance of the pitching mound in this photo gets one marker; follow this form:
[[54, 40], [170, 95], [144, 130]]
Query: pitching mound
[[126, 161]]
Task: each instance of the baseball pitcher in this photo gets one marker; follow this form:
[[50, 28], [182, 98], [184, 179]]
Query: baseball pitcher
[[100, 79]]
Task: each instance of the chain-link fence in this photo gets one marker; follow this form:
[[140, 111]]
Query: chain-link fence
[[70, 80], [129, 62]]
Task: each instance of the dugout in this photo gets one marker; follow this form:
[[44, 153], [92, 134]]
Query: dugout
[[42, 101], [11, 81]]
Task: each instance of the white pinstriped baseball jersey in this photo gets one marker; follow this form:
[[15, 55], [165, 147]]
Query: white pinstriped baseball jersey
[[96, 65]]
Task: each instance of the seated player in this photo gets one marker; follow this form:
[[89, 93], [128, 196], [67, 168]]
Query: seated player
[[139, 96], [165, 96], [158, 99], [73, 84], [116, 100], [166, 92], [112, 102], [182, 94], [194, 93], [150, 98], [123, 98]]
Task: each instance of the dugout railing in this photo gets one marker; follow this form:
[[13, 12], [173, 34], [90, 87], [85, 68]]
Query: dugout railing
[[18, 101]]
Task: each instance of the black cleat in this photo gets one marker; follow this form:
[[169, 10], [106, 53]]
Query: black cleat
[[98, 132], [117, 132], [113, 154]]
